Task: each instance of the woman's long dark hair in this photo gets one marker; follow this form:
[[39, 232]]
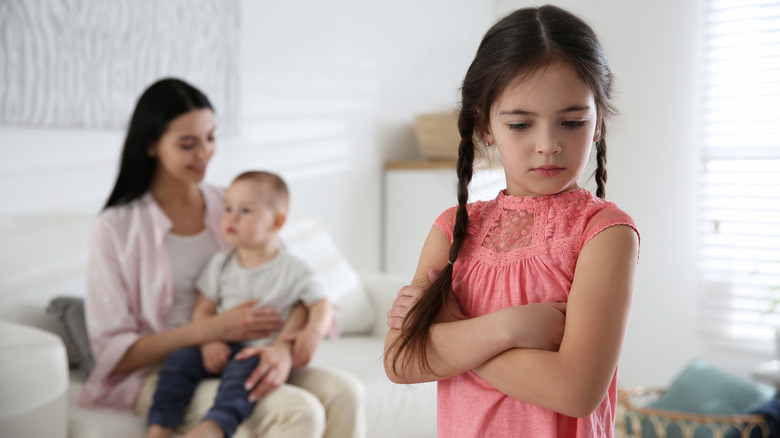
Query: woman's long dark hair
[[162, 102], [515, 47]]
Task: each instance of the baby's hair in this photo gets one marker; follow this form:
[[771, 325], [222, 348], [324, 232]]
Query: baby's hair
[[281, 198], [513, 49]]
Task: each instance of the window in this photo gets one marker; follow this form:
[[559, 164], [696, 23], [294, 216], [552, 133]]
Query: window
[[740, 181]]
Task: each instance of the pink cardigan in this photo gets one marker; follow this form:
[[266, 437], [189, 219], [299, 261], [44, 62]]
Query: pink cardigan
[[129, 289]]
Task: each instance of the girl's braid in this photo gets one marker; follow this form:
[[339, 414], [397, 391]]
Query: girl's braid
[[601, 162]]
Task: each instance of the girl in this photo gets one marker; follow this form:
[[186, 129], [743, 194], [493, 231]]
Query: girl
[[490, 327], [158, 229]]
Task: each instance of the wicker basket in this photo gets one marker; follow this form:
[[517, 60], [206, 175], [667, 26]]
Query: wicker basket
[[635, 417], [437, 135]]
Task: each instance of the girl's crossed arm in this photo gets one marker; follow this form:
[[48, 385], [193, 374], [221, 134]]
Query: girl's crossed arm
[[575, 379], [572, 380], [458, 344]]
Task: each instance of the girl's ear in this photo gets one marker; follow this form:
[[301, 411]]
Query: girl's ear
[[152, 149], [487, 137]]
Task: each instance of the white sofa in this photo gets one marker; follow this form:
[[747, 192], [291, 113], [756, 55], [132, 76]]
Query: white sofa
[[44, 256]]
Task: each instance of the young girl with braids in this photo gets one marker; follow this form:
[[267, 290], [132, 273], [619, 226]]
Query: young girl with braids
[[523, 325]]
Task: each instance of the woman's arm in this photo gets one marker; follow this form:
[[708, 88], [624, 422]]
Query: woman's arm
[[456, 346], [239, 323], [306, 340], [575, 379]]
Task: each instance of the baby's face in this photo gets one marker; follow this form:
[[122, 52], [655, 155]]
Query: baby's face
[[248, 220]]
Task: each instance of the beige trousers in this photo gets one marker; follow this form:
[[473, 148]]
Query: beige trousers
[[315, 402]]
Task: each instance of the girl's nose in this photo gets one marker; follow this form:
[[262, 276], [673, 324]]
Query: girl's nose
[[547, 144]]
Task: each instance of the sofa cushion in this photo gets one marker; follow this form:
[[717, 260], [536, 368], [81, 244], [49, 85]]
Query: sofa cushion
[[70, 312], [306, 238]]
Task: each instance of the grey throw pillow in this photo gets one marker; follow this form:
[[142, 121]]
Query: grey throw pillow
[[70, 312]]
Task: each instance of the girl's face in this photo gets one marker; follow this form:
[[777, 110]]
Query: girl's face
[[249, 220], [544, 127], [186, 147]]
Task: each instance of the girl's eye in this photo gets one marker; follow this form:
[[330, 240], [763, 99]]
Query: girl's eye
[[519, 126], [573, 124], [188, 146], [211, 138]]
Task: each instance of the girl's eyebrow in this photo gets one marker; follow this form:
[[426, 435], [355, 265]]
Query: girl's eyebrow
[[520, 112]]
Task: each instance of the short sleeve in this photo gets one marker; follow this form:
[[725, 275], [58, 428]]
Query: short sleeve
[[208, 280], [310, 288], [609, 216], [446, 222]]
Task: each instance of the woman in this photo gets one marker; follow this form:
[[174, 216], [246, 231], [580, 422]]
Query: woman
[[157, 231]]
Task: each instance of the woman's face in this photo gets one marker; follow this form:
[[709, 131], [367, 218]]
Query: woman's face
[[185, 148]]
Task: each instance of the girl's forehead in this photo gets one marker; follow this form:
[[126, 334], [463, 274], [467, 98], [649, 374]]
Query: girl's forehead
[[547, 88]]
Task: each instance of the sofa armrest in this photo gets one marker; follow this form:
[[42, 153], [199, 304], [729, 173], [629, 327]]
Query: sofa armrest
[[382, 288], [34, 378]]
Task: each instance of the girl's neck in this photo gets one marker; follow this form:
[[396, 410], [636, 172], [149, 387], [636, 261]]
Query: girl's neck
[[252, 257]]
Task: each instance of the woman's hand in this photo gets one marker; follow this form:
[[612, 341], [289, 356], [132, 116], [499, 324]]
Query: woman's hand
[[216, 355], [538, 325], [244, 322], [272, 371]]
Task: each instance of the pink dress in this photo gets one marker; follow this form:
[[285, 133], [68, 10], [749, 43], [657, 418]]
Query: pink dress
[[520, 250]]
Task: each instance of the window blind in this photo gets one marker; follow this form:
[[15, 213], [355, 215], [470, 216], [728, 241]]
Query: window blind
[[739, 251]]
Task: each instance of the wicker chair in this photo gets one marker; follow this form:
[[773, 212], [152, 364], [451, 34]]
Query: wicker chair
[[635, 416]]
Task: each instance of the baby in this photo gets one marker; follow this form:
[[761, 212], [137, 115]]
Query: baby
[[256, 206]]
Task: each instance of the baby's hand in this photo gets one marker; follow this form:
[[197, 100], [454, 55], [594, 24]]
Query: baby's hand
[[216, 355], [305, 343], [538, 325]]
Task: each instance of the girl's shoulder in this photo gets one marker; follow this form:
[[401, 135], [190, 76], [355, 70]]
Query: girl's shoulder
[[446, 220], [594, 215]]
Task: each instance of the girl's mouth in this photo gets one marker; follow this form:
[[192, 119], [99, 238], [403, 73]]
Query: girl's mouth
[[548, 171]]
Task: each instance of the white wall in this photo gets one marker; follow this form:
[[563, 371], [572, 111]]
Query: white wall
[[337, 82]]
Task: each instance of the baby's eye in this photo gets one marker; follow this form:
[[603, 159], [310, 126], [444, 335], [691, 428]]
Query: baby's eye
[[519, 126], [573, 124], [245, 210], [228, 209]]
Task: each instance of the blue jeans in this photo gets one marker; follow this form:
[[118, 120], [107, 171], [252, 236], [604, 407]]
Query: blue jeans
[[179, 377]]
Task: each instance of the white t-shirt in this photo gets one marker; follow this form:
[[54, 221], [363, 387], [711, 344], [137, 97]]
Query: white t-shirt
[[189, 256], [280, 283]]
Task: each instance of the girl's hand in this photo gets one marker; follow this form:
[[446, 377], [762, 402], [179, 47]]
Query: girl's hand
[[305, 343], [538, 325], [407, 297], [216, 355], [272, 371], [244, 322]]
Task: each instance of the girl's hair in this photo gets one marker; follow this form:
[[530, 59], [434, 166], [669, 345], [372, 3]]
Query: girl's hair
[[162, 102], [514, 48]]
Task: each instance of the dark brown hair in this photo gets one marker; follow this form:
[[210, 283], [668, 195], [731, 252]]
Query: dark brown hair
[[515, 47], [159, 104]]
